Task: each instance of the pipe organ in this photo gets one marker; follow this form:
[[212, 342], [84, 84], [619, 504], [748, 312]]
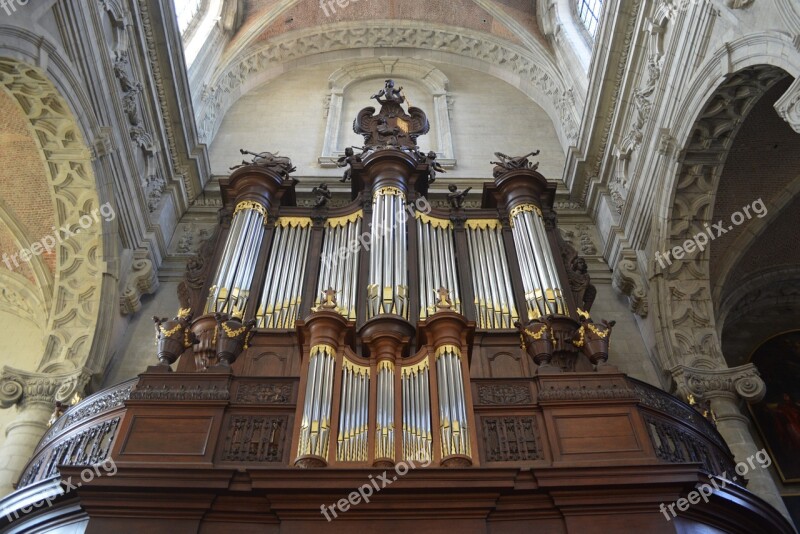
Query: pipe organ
[[386, 292]]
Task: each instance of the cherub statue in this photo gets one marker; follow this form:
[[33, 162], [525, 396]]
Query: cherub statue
[[347, 160], [433, 166], [455, 197], [390, 94], [322, 194]]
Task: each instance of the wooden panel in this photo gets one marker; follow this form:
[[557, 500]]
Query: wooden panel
[[166, 436], [609, 433]]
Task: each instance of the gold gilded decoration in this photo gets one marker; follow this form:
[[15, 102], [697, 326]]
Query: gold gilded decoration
[[483, 224], [251, 205], [602, 334], [584, 314], [433, 221], [416, 368], [403, 125], [231, 333], [183, 313], [523, 208], [294, 222], [344, 220], [323, 348], [389, 191], [172, 331], [356, 368], [385, 364], [447, 348]]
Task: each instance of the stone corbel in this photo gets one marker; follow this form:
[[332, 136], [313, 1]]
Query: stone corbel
[[27, 388], [142, 280], [788, 106], [743, 381], [628, 281]]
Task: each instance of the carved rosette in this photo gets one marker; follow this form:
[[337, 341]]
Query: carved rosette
[[743, 381], [26, 388]]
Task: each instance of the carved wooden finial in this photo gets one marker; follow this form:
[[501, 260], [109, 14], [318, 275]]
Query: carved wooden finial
[[444, 302], [330, 299]]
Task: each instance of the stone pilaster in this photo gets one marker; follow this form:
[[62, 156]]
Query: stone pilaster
[[35, 395], [724, 388]]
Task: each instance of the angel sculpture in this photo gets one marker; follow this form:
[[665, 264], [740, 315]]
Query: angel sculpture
[[433, 166], [455, 197], [347, 160], [390, 94], [322, 194]]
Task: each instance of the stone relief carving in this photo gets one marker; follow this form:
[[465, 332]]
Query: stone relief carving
[[529, 66], [142, 280], [628, 281], [74, 311], [788, 106], [685, 283], [26, 388], [743, 381]]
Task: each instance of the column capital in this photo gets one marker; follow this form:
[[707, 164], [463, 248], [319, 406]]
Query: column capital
[[743, 381], [26, 388]]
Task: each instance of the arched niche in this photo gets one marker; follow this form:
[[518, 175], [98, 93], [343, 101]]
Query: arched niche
[[425, 86]]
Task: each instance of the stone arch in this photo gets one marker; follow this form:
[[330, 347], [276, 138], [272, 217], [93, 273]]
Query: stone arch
[[532, 71], [434, 81], [76, 293], [722, 94]]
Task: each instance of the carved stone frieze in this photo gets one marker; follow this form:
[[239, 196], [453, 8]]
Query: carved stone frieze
[[788, 106]]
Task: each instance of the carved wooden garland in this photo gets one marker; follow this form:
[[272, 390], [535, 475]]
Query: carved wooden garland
[[687, 311], [76, 296]]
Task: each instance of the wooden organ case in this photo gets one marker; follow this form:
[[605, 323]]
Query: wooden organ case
[[319, 347]]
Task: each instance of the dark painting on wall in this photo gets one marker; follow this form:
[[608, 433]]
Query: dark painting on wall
[[778, 415]]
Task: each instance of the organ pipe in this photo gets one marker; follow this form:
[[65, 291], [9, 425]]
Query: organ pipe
[[388, 277], [436, 253], [353, 413], [339, 262], [231, 287], [494, 296], [417, 437], [282, 293], [543, 292], [315, 424], [384, 432], [453, 423]]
